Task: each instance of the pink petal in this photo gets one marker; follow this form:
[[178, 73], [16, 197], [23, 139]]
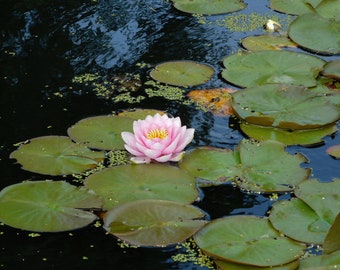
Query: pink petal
[[132, 150], [163, 158], [140, 160], [186, 138], [128, 138], [177, 157]]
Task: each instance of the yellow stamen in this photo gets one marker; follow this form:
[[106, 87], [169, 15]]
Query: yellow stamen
[[157, 134]]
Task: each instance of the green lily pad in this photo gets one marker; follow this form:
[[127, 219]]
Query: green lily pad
[[101, 132], [284, 106], [56, 155], [211, 164], [298, 221], [334, 151], [182, 73], [332, 70], [247, 240], [316, 33], [126, 183], [226, 265], [323, 198], [321, 262], [209, 6], [294, 7], [329, 9], [266, 42], [153, 222], [47, 206], [332, 240], [272, 67], [140, 113], [306, 137], [266, 167]]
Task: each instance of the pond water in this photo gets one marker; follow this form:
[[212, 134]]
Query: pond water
[[45, 44]]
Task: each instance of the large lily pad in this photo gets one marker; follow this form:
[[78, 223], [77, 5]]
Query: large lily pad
[[140, 113], [266, 42], [306, 137], [323, 198], [211, 164], [47, 206], [247, 240], [101, 132], [284, 106], [329, 9], [153, 222], [322, 262], [209, 6], [227, 265], [182, 73], [297, 220], [316, 33], [267, 167], [56, 155], [268, 67], [126, 183], [294, 7]]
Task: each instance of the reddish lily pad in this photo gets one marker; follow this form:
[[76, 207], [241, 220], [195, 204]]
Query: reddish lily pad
[[334, 151], [47, 206], [153, 222], [182, 73], [56, 155], [247, 240]]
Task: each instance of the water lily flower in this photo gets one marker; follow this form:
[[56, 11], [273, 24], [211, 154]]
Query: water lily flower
[[157, 138], [273, 26]]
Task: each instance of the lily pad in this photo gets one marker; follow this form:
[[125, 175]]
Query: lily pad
[[209, 6], [47, 206], [332, 70], [306, 137], [329, 9], [294, 7], [140, 113], [211, 164], [153, 222], [298, 221], [101, 132], [214, 100], [332, 240], [266, 42], [226, 265], [247, 240], [316, 33], [267, 167], [126, 183], [272, 67], [56, 155], [323, 198], [334, 151], [285, 106], [321, 262], [182, 73]]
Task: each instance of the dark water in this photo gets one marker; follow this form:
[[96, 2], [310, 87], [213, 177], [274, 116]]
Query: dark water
[[44, 44]]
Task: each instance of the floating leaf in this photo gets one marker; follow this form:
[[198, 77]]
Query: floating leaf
[[329, 9], [332, 240], [214, 100], [297, 220], [323, 198], [209, 6], [126, 183], [285, 106], [294, 7], [334, 151], [321, 262], [140, 113], [56, 155], [226, 265], [267, 167], [316, 33], [332, 70], [182, 73], [272, 67], [101, 132], [153, 222], [266, 42], [247, 240], [288, 137], [47, 206], [212, 164]]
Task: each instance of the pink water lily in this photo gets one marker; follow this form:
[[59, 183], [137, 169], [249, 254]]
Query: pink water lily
[[157, 138]]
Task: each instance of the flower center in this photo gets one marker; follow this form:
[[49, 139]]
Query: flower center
[[157, 134]]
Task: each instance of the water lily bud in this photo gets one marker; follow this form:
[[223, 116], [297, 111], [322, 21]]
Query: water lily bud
[[157, 138], [272, 26]]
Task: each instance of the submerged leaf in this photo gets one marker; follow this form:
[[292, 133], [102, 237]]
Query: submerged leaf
[[47, 206], [153, 222], [56, 155]]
